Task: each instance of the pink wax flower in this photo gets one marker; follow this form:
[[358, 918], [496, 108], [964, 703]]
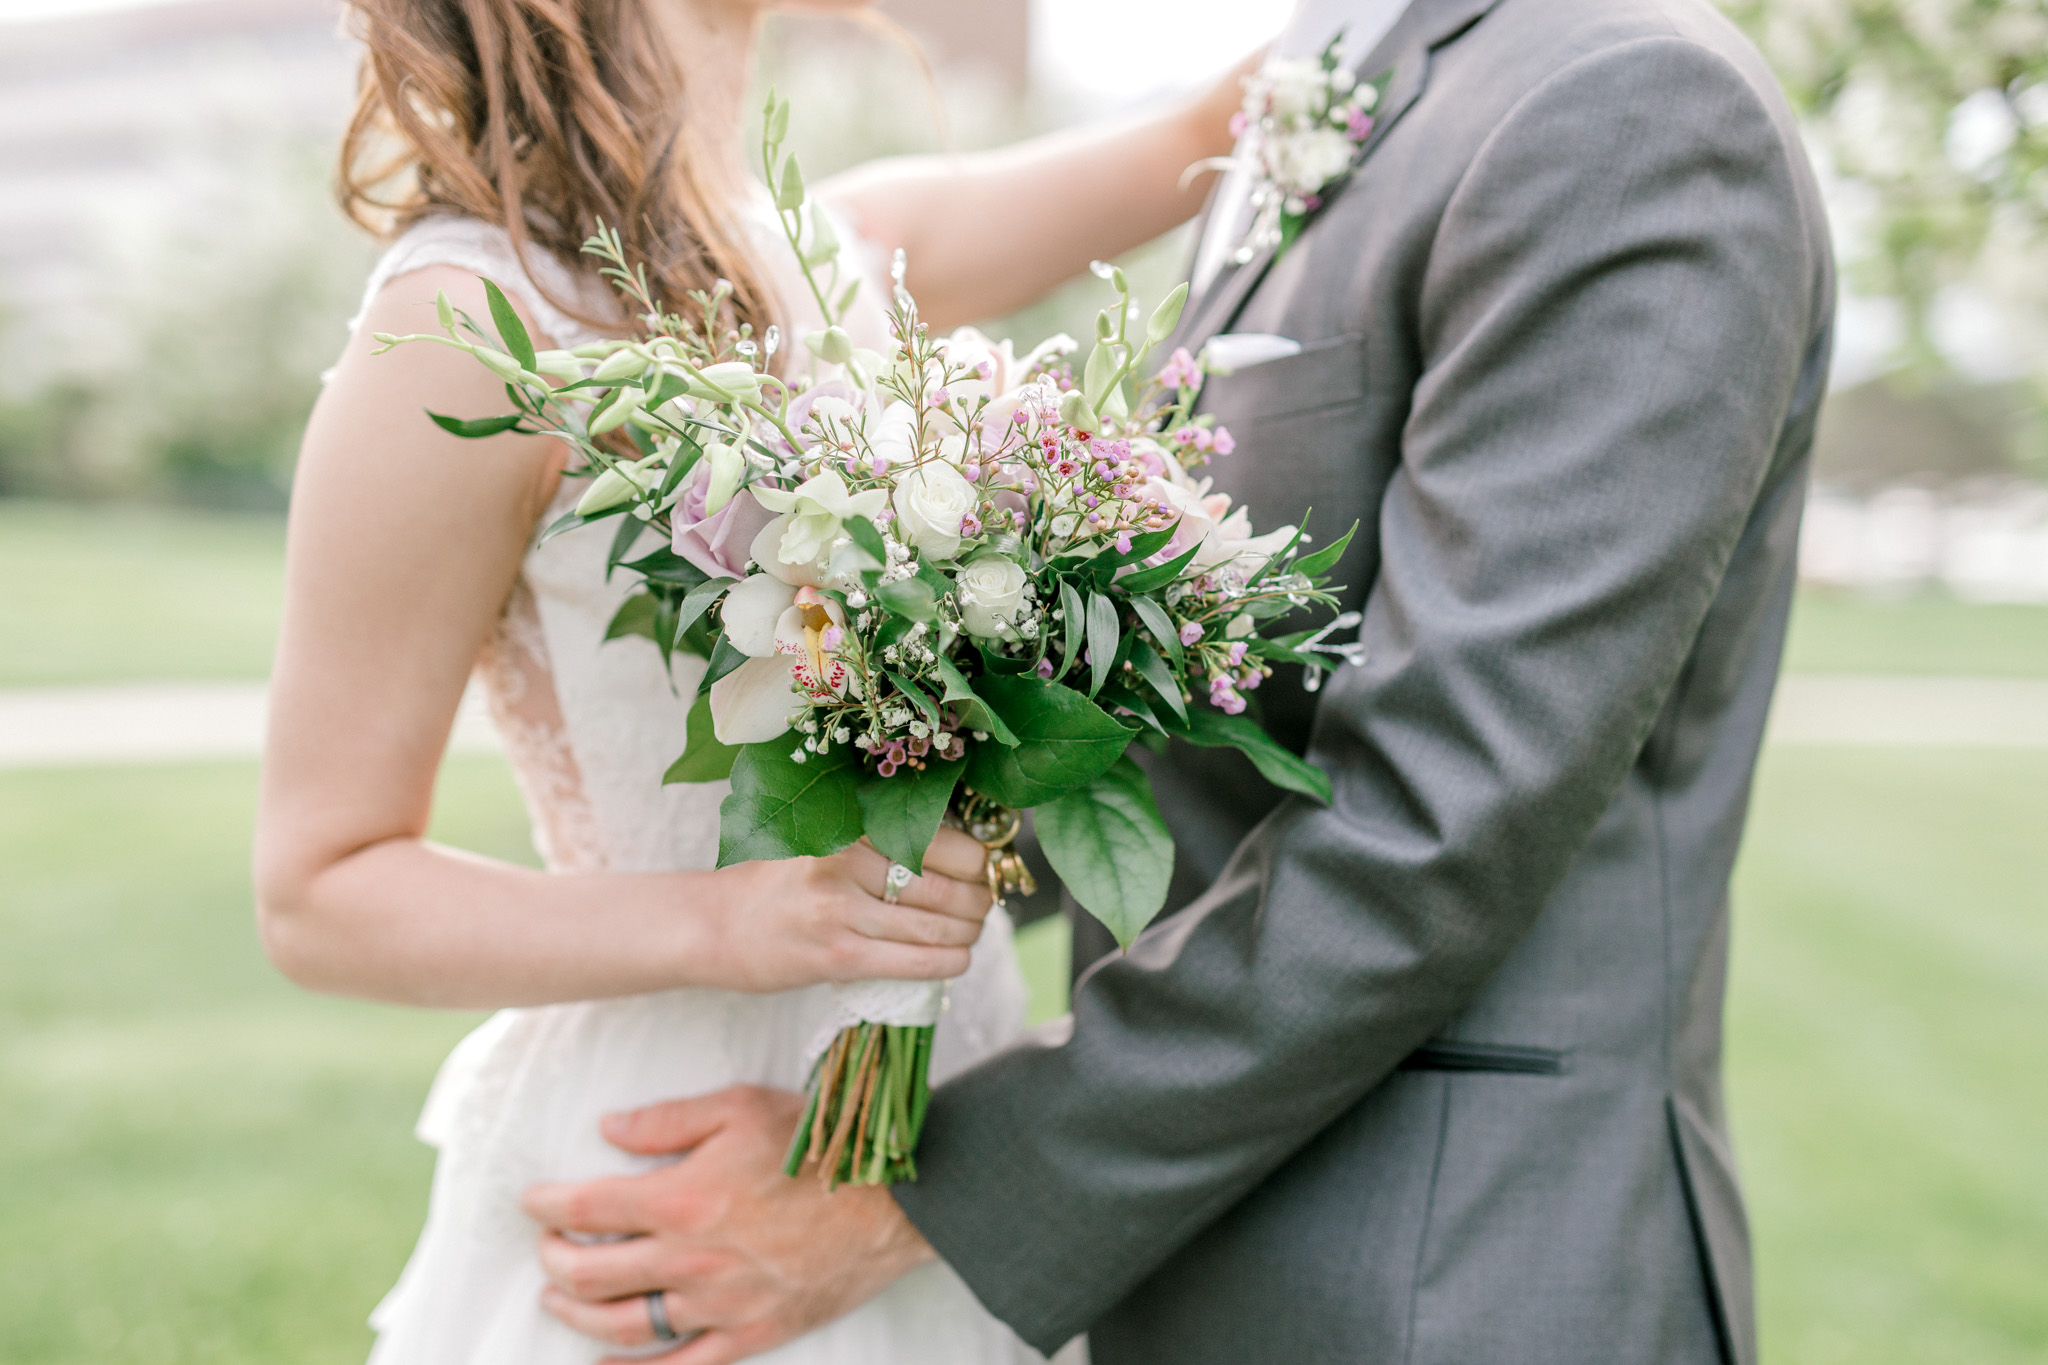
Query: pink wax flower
[[1180, 371], [1250, 679], [970, 525], [1238, 124], [1065, 468], [1237, 653], [1045, 668], [718, 544], [1191, 632], [1223, 442], [940, 397], [1360, 126], [1123, 542]]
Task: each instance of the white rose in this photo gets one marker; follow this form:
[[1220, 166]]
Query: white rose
[[991, 591], [930, 501]]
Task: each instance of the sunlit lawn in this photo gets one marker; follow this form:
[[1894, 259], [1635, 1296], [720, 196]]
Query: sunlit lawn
[[199, 1163]]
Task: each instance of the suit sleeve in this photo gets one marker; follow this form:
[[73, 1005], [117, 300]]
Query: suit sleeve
[[1617, 303]]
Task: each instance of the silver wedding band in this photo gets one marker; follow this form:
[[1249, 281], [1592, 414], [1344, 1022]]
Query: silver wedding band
[[657, 1316], [894, 881]]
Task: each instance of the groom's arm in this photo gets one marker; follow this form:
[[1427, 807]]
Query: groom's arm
[[1615, 312]]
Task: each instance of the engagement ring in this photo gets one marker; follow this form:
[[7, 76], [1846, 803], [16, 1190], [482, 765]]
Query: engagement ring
[[892, 885]]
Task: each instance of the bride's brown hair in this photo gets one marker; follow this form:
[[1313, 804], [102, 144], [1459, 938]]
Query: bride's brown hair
[[542, 116]]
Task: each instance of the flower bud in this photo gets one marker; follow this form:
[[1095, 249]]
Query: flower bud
[[499, 364], [558, 365], [444, 311], [736, 379], [726, 463], [1105, 325], [615, 486], [1166, 316], [1075, 412], [833, 345], [622, 364], [624, 403]]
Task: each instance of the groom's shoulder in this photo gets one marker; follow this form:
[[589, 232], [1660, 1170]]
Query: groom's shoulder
[[1526, 46]]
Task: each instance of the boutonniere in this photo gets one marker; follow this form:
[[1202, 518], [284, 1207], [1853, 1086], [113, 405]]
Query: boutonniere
[[1301, 128]]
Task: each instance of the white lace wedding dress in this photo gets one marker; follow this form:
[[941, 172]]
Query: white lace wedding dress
[[589, 727]]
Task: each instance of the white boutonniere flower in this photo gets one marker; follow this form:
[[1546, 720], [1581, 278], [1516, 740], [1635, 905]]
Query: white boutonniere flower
[[1301, 128]]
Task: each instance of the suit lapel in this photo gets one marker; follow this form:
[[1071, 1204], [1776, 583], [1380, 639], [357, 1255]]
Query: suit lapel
[[1426, 26]]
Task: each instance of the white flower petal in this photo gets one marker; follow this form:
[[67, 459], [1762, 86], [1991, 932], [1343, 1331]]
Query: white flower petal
[[751, 611], [751, 704]]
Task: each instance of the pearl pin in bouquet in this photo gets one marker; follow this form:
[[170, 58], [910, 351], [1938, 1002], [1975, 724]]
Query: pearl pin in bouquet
[[941, 582]]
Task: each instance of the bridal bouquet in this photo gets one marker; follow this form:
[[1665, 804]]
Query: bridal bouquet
[[937, 582]]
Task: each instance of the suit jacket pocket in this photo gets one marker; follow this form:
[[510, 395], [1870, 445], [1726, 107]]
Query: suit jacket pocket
[[1322, 374]]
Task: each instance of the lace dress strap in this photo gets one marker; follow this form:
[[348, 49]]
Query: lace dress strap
[[486, 249]]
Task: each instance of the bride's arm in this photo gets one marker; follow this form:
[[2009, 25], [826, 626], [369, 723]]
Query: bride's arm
[[404, 543], [995, 230]]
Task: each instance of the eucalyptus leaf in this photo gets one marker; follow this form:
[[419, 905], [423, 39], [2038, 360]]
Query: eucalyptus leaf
[[1063, 741], [900, 814], [780, 808], [703, 758], [1111, 849]]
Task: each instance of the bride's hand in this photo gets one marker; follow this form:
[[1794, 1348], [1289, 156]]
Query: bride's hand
[[800, 921]]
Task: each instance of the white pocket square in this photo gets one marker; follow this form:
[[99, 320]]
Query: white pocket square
[[1234, 351]]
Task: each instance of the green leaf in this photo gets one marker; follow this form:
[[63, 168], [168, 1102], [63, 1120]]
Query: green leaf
[[977, 713], [688, 452], [867, 537], [916, 696], [667, 567], [635, 616], [783, 809], [1103, 633], [622, 545], [1161, 625], [511, 330], [568, 521], [697, 601], [1154, 671], [703, 759], [1143, 547], [474, 428], [1276, 763], [910, 598], [724, 659], [1115, 695], [1151, 580], [1063, 741], [901, 814], [1324, 559], [1111, 848], [1074, 616]]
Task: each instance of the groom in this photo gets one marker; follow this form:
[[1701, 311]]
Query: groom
[[1431, 1074]]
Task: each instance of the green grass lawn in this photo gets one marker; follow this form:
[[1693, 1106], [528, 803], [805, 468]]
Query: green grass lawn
[[199, 1163]]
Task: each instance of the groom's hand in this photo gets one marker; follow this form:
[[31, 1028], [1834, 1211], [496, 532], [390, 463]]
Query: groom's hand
[[747, 1256]]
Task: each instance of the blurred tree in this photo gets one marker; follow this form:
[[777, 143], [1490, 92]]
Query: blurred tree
[[1933, 116]]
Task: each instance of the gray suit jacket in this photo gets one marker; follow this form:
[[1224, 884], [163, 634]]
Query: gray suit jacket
[[1432, 1075]]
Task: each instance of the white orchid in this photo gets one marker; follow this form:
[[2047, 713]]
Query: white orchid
[[792, 637], [813, 514]]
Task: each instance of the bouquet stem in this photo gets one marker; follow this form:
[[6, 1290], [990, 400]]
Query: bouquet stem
[[867, 1102], [868, 1093]]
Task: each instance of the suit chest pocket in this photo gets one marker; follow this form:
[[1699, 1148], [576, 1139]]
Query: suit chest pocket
[[1330, 373]]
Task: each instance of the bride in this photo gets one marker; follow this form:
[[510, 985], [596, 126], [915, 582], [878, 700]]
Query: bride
[[490, 136]]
